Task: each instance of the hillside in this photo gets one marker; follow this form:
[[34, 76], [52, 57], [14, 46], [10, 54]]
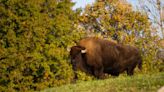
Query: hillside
[[123, 83]]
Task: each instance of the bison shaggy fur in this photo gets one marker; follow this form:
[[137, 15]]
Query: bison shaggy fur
[[99, 56]]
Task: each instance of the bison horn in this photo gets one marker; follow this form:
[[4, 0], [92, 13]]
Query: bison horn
[[68, 49], [83, 51]]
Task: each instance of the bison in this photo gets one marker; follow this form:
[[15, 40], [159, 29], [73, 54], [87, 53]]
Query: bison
[[99, 56]]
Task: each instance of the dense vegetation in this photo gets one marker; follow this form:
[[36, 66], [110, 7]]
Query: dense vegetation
[[34, 36]]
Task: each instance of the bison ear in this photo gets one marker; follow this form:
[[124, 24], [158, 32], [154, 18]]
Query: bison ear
[[83, 51]]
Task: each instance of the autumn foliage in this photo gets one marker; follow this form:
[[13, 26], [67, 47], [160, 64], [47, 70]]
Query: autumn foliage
[[34, 36]]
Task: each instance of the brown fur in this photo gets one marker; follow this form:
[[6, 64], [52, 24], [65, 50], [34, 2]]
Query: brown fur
[[104, 56]]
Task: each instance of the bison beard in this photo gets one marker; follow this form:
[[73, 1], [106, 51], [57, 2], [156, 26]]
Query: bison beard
[[98, 56]]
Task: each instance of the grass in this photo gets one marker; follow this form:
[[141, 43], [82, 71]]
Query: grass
[[123, 83]]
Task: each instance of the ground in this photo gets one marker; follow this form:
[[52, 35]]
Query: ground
[[137, 83]]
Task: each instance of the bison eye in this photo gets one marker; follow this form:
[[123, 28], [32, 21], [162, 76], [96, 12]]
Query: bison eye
[[74, 61], [72, 58]]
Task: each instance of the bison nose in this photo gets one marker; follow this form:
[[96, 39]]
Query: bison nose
[[73, 64], [73, 61], [74, 68]]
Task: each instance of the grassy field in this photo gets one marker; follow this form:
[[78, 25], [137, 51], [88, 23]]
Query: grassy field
[[123, 83]]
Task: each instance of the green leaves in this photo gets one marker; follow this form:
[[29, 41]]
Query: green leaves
[[34, 35]]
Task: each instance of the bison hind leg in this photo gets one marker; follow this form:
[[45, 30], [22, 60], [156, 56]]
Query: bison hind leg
[[115, 74], [140, 63], [130, 71]]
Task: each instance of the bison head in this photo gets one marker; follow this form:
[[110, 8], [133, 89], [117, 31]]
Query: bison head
[[77, 54], [78, 60]]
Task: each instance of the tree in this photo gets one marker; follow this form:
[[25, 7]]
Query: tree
[[111, 18], [34, 35], [155, 10], [116, 19]]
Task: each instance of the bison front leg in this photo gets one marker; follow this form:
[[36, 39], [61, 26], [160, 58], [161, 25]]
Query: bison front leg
[[98, 72], [115, 74]]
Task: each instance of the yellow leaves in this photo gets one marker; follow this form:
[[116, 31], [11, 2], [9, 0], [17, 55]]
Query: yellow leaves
[[117, 18], [94, 14], [99, 4], [124, 6], [130, 40], [84, 18], [46, 76]]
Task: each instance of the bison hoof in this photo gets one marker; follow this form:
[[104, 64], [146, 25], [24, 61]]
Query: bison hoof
[[104, 76]]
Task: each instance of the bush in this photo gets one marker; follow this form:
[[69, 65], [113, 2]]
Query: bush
[[34, 36]]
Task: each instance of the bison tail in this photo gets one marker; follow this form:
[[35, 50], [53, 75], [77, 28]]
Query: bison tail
[[140, 64]]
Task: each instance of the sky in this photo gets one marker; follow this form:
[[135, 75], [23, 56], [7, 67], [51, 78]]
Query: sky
[[83, 3]]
